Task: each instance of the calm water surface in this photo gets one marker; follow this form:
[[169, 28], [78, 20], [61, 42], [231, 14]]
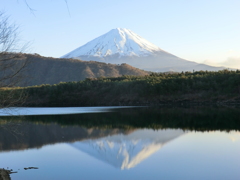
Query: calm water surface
[[139, 143]]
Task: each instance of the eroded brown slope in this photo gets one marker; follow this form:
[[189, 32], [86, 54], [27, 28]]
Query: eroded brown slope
[[47, 70]]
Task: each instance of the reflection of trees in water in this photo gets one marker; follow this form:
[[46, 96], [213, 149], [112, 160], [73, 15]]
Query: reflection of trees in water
[[34, 135], [35, 131], [198, 118], [13, 128]]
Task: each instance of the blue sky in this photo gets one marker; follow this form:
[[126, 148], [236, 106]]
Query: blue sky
[[201, 31]]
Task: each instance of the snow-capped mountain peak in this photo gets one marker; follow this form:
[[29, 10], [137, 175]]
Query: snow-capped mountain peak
[[119, 41], [121, 45]]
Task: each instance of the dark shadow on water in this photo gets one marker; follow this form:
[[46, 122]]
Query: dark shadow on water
[[194, 119]]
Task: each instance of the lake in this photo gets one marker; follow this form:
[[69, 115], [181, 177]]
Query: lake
[[120, 143]]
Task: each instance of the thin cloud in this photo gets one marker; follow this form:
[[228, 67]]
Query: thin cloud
[[231, 62]]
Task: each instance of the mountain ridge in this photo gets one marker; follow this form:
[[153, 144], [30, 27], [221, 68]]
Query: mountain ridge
[[122, 45], [47, 70]]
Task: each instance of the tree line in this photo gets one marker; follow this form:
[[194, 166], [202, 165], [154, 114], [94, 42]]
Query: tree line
[[156, 88]]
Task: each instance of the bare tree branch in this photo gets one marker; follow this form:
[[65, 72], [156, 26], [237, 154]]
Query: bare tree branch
[[12, 62], [32, 10], [67, 7]]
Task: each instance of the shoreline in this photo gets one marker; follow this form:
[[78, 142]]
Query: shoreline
[[179, 103]]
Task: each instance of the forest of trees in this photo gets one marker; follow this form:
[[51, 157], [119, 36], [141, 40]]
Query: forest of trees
[[154, 89]]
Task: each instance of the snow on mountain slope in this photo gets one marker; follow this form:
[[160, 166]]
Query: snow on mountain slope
[[121, 45], [119, 41], [126, 151]]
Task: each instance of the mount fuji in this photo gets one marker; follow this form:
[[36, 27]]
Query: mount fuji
[[121, 45]]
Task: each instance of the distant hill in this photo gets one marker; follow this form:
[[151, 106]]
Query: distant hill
[[48, 70]]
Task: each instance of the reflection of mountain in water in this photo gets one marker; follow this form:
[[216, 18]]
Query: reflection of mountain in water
[[126, 151], [25, 135]]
